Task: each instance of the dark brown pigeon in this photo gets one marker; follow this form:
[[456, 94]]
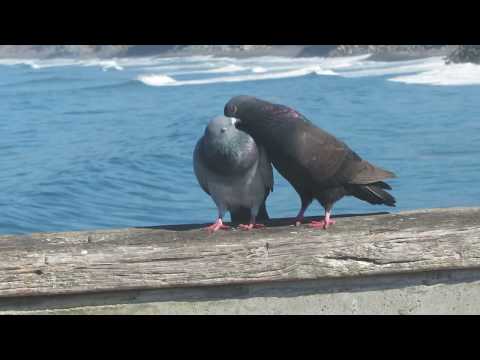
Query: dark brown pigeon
[[317, 164]]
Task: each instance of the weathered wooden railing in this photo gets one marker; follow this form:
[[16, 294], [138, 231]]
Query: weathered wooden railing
[[280, 269]]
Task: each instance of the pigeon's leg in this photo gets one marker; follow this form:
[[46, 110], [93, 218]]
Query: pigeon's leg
[[253, 224], [218, 225], [300, 217], [324, 224]]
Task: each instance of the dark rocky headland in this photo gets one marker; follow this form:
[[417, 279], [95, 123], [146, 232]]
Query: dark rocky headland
[[465, 54], [452, 53]]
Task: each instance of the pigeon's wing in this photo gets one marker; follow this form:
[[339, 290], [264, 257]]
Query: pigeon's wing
[[327, 158], [319, 153], [363, 173], [265, 169], [201, 172]]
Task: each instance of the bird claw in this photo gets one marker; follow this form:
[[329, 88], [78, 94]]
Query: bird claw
[[217, 226], [299, 221], [321, 224], [251, 226]]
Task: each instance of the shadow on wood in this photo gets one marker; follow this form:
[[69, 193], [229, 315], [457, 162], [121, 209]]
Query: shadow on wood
[[280, 222]]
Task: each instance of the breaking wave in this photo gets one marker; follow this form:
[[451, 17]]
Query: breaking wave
[[446, 75], [199, 70], [164, 80], [157, 80], [377, 68]]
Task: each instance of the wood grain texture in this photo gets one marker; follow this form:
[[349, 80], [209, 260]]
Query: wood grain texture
[[154, 258]]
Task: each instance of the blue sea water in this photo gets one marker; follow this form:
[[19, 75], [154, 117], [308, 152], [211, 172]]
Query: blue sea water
[[108, 144]]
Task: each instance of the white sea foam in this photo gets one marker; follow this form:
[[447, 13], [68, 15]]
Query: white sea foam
[[140, 62], [372, 68], [201, 69], [160, 71], [163, 80], [227, 69], [453, 75], [38, 64], [223, 64], [53, 63], [431, 71], [335, 63], [104, 64], [43, 64], [182, 68], [157, 80], [259, 70]]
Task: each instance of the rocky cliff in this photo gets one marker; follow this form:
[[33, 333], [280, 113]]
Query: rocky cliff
[[49, 51], [219, 50], [393, 52], [385, 52], [464, 54]]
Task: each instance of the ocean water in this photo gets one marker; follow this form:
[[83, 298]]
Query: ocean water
[[108, 144]]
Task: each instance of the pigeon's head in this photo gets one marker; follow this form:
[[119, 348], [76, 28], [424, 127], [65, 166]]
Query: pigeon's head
[[254, 116], [236, 105], [222, 128], [239, 107], [224, 144]]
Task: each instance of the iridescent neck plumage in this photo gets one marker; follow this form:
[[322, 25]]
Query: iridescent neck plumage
[[232, 151]]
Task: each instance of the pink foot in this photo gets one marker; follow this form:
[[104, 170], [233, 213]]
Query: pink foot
[[217, 226], [299, 221], [324, 224], [251, 226]]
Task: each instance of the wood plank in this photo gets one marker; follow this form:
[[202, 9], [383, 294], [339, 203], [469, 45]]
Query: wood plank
[[167, 257]]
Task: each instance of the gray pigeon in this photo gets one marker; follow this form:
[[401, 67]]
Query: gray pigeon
[[235, 172], [317, 164]]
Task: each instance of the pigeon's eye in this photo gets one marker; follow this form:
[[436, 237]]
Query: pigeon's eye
[[231, 110], [223, 130]]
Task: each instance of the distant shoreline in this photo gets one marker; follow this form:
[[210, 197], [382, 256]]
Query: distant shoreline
[[453, 53], [290, 51], [254, 54]]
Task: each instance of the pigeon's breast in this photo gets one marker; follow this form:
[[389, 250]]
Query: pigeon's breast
[[232, 157]]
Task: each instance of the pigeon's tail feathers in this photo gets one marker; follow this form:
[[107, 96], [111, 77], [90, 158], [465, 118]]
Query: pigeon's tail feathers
[[382, 185], [366, 173], [374, 194]]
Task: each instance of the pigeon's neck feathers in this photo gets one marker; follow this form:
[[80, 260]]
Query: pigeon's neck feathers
[[266, 127], [229, 154]]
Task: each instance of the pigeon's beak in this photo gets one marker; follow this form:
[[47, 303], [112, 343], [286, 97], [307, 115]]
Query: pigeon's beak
[[236, 122]]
